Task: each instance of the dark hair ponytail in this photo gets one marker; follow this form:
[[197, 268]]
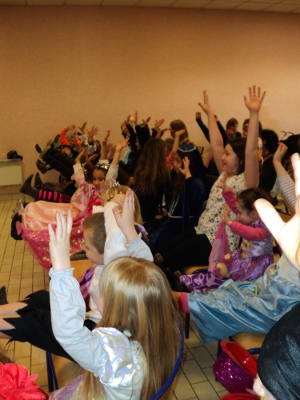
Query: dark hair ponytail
[[239, 147]]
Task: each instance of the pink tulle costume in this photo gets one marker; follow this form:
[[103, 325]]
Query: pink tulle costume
[[246, 263], [37, 216]]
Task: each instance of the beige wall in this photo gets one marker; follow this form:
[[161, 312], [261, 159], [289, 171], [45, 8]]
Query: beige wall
[[62, 65]]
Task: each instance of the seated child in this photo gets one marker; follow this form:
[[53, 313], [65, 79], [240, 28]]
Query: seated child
[[255, 252], [132, 351], [29, 319]]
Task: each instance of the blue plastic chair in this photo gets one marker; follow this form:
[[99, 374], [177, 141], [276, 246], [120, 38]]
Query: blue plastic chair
[[166, 388]]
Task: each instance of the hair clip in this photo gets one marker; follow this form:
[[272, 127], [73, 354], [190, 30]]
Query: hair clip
[[103, 165]]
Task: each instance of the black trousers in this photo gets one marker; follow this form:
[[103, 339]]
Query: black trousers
[[186, 250], [35, 327]]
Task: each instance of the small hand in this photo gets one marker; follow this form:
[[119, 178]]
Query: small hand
[[59, 243], [286, 234], [158, 123], [82, 128], [121, 145], [125, 220], [205, 105], [78, 158], [198, 115], [280, 152], [92, 132], [124, 128], [118, 198], [255, 100], [134, 118], [225, 216], [92, 157], [110, 150], [186, 168], [222, 183], [179, 133], [145, 121], [104, 141]]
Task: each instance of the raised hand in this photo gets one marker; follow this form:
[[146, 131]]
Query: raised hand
[[198, 114], [255, 99], [92, 157], [82, 128], [222, 183], [59, 243], [179, 133], [78, 158], [125, 220], [121, 145], [158, 123], [92, 132], [124, 128], [133, 119], [110, 150], [186, 168], [145, 121], [225, 216], [205, 105], [104, 141], [280, 152], [286, 234]]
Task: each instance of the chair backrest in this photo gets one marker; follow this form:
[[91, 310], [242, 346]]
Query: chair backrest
[[165, 391]]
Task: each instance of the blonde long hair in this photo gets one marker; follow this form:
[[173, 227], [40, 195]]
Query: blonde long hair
[[138, 298], [123, 189]]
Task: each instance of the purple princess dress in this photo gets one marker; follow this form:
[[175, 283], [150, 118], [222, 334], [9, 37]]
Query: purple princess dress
[[247, 263]]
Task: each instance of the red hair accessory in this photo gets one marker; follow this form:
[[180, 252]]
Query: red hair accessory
[[17, 384]]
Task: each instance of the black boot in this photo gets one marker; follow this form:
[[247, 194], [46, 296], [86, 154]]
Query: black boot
[[42, 166], [38, 183], [38, 148], [47, 148], [27, 189], [3, 299]]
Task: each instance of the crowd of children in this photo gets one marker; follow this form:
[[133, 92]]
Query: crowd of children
[[163, 217]]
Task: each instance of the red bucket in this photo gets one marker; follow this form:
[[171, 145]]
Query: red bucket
[[235, 368]]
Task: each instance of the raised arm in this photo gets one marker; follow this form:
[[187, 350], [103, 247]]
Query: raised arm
[[216, 139], [251, 157], [286, 234]]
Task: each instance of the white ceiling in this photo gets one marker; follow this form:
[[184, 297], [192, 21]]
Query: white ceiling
[[287, 6]]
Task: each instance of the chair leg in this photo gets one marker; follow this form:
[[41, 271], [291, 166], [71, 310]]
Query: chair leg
[[52, 379], [187, 325]]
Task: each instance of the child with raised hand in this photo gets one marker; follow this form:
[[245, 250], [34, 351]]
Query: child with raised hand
[[286, 183], [254, 253], [29, 319], [37, 216], [133, 350], [254, 306], [239, 159]]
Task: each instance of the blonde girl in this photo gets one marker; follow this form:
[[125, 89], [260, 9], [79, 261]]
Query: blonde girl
[[133, 350]]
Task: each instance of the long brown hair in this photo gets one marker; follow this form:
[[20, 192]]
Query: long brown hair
[[152, 172], [138, 298]]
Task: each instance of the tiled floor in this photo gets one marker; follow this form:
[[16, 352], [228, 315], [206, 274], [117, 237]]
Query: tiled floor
[[22, 275]]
